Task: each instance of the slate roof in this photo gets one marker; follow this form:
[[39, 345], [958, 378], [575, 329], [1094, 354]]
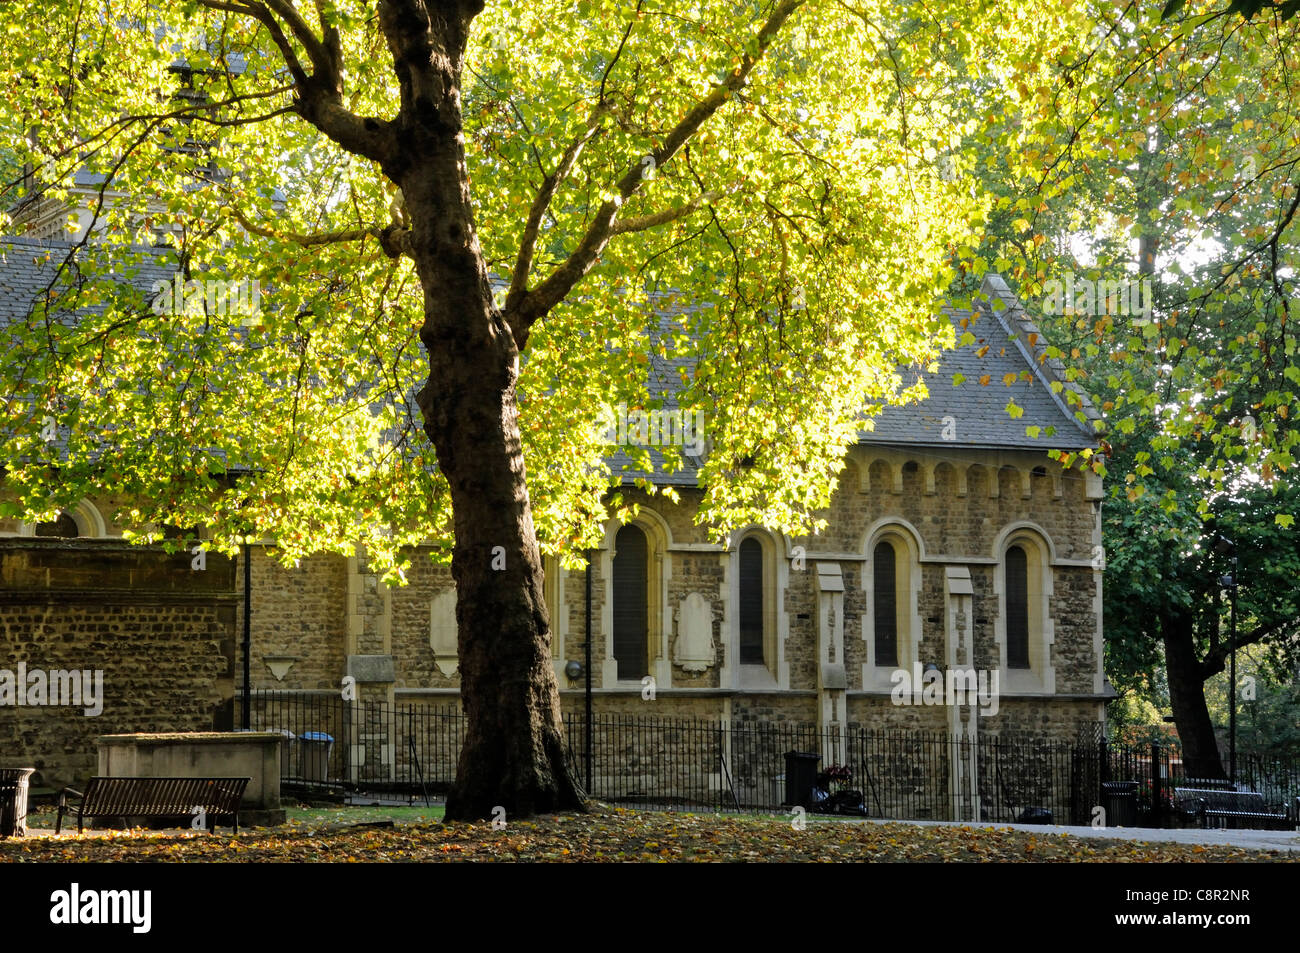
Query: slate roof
[[28, 267], [1007, 343], [663, 381], [978, 412]]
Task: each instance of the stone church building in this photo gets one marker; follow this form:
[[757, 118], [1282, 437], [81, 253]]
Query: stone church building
[[955, 548]]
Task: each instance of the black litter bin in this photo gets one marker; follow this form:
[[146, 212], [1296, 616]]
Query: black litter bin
[[800, 775], [314, 749], [13, 801], [1120, 800]]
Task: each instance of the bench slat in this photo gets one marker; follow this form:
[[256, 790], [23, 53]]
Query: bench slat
[[162, 797], [1216, 803]]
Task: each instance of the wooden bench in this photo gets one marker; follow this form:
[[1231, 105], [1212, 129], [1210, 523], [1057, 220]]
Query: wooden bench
[[158, 798], [1246, 807]]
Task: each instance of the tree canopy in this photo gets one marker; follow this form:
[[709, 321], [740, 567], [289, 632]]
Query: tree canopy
[[796, 240]]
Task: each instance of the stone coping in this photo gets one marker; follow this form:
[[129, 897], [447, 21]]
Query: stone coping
[[190, 737]]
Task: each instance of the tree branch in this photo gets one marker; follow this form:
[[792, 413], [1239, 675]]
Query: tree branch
[[263, 16], [320, 93], [394, 238], [625, 226], [538, 302], [325, 66], [1216, 659], [541, 202]]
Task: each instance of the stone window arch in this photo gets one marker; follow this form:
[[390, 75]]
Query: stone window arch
[[635, 568], [757, 591], [891, 624], [630, 583], [1024, 628], [82, 521], [751, 607]]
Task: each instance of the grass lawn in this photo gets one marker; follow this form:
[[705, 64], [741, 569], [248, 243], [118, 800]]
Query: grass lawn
[[302, 816], [603, 835]]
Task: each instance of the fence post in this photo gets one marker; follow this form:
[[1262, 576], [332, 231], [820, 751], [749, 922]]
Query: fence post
[[1157, 788]]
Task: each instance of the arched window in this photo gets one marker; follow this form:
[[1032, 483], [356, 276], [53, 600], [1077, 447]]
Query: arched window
[[890, 626], [63, 527], [631, 611], [82, 521], [1017, 574], [884, 579], [1024, 628], [752, 604]]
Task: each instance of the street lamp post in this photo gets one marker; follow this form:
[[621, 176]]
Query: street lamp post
[[246, 717], [587, 673]]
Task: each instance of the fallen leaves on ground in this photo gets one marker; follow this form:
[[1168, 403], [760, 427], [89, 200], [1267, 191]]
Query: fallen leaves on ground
[[614, 834]]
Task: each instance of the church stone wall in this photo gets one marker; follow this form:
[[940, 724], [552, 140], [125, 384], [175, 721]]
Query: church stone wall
[[162, 634]]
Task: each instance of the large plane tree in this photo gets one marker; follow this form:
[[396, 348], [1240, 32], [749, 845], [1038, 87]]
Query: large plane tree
[[463, 220]]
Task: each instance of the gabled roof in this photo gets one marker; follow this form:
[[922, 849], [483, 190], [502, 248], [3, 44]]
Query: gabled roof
[[1008, 347]]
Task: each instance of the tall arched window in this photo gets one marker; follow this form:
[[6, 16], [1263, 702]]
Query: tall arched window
[[64, 526], [1017, 571], [890, 627], [631, 612], [884, 560], [752, 614]]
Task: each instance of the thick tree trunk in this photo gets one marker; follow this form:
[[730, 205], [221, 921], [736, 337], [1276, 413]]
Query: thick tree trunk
[[513, 757], [1187, 697]]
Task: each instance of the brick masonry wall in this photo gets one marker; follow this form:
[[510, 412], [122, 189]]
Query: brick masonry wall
[[163, 635], [297, 612], [303, 613], [958, 527], [412, 651], [702, 573]]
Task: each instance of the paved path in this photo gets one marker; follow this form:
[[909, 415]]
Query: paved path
[[1251, 840]]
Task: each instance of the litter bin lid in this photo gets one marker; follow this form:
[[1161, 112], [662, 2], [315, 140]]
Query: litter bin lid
[[315, 736]]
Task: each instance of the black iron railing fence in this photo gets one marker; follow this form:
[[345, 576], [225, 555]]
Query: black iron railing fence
[[714, 765]]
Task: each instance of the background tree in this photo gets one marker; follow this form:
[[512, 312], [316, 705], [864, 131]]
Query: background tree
[[1173, 161]]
